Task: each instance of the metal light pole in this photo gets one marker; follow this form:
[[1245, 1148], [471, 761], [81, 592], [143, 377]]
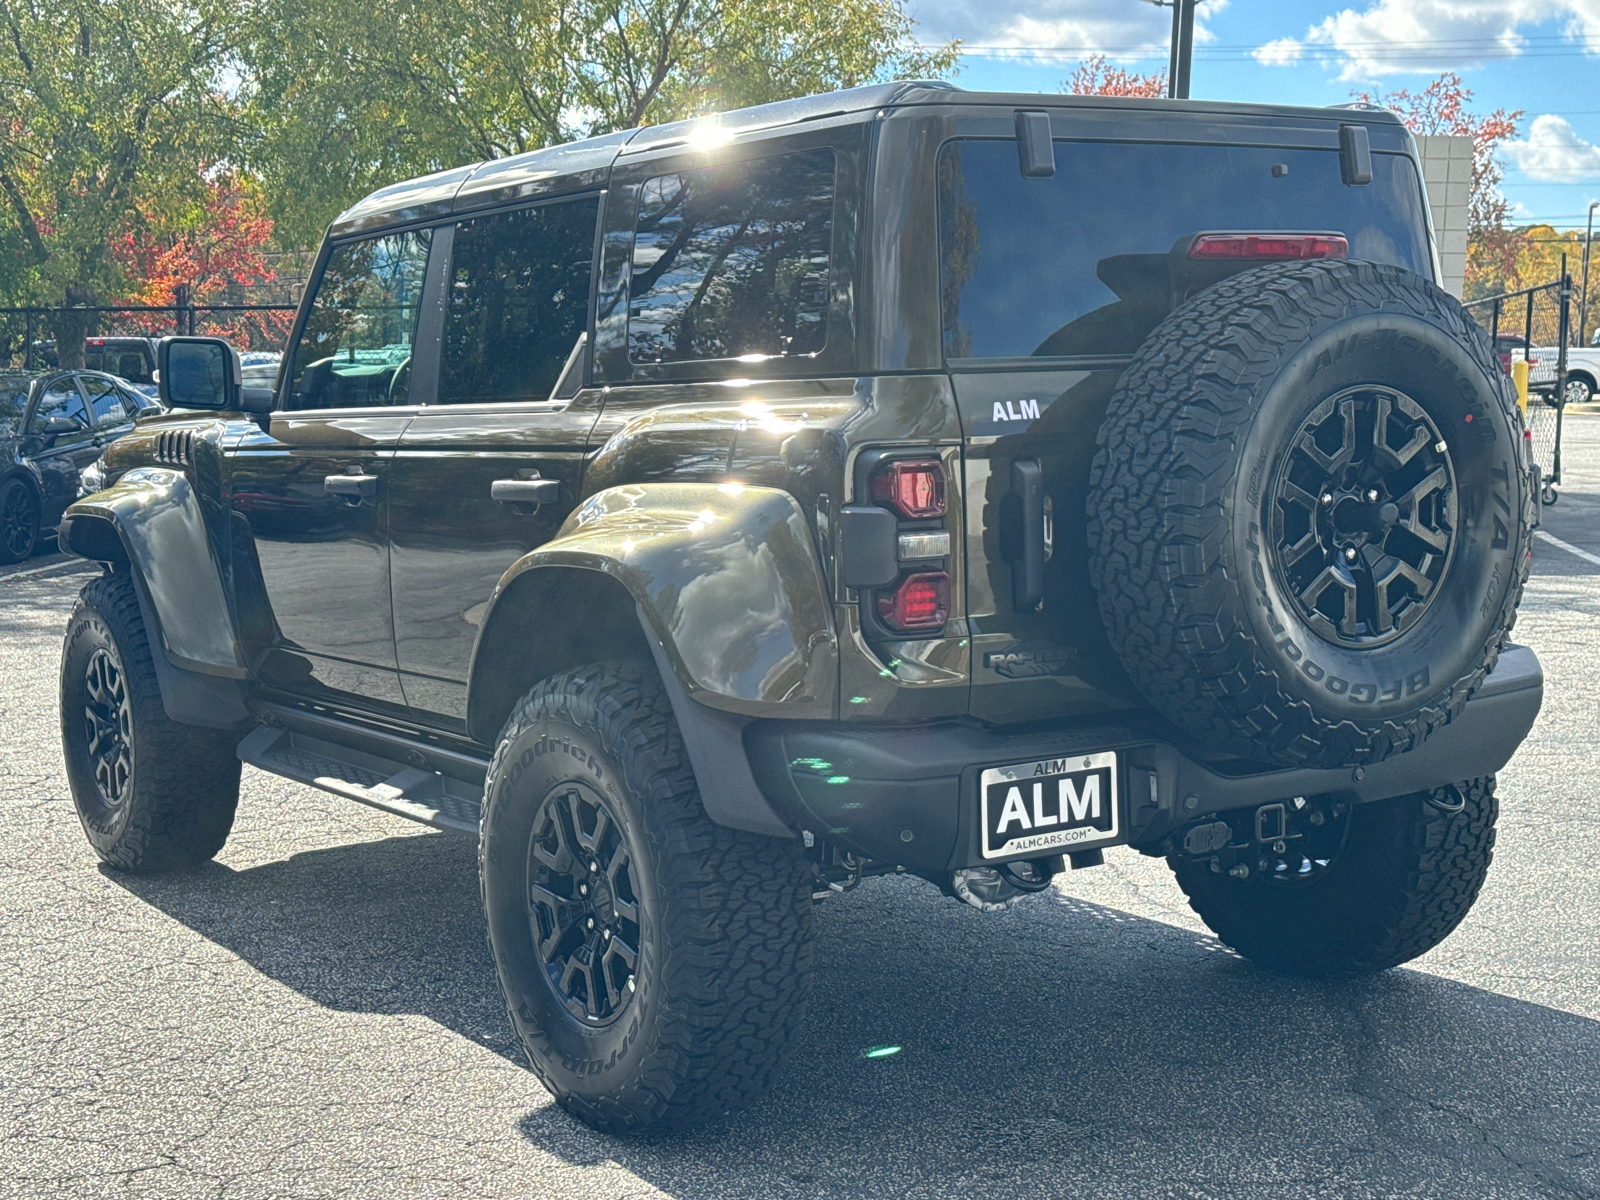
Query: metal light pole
[[1583, 302], [1181, 55]]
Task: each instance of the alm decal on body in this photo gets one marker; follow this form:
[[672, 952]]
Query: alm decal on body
[[1016, 410]]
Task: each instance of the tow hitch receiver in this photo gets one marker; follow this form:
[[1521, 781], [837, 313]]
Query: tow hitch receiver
[[1288, 841]]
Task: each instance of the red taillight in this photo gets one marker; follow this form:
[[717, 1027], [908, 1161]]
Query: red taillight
[[917, 603], [1215, 247], [913, 487]]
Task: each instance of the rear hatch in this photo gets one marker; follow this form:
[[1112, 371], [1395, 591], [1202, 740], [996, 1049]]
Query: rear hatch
[[1048, 286]]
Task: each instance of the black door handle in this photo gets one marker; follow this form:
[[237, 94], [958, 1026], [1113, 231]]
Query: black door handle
[[350, 485], [525, 491]]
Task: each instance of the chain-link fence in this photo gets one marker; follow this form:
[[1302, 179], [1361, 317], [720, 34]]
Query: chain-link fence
[[29, 336], [1534, 325]]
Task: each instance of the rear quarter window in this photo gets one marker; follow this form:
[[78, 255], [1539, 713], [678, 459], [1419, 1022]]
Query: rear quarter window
[[1080, 264], [733, 260]]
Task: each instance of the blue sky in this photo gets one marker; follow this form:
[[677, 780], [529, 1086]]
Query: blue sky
[[1542, 56]]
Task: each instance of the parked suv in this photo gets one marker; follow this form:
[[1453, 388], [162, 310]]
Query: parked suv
[[708, 516]]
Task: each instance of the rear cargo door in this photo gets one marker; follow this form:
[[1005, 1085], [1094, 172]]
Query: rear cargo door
[[1049, 284]]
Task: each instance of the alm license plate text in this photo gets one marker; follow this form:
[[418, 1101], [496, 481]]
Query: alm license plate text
[[1053, 804]]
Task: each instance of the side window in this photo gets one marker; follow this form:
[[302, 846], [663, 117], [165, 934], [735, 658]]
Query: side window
[[519, 299], [733, 260], [105, 399], [355, 351], [61, 400]]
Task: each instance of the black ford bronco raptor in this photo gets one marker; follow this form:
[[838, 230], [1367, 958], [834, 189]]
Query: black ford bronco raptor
[[707, 516]]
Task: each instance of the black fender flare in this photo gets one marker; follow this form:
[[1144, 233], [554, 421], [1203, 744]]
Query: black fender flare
[[149, 523]]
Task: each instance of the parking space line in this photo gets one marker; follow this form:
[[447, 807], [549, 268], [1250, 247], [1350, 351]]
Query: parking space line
[[71, 562], [1568, 547]]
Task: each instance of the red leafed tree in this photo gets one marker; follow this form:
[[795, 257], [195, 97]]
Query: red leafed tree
[[1441, 108], [1094, 77], [216, 248]]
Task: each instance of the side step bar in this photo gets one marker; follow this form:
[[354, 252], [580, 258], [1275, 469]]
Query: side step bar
[[372, 779]]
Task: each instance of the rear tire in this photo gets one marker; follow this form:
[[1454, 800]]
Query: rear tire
[[152, 794], [679, 1002], [1408, 872]]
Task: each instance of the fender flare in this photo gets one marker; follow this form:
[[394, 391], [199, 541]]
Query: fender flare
[[149, 522], [728, 581], [729, 593]]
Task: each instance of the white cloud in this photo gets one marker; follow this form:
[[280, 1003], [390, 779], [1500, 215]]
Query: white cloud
[[1394, 37], [1554, 153], [1284, 52], [1120, 30]]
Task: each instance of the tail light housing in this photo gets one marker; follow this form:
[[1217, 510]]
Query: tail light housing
[[1267, 247], [917, 603], [913, 487]]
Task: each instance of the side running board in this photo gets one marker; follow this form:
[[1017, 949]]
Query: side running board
[[393, 786]]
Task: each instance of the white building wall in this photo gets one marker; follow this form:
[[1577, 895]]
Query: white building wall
[[1447, 176]]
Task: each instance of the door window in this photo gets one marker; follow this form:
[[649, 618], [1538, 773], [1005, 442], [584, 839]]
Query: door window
[[1082, 263], [355, 351], [13, 402], [733, 260], [61, 399], [519, 299], [106, 399]]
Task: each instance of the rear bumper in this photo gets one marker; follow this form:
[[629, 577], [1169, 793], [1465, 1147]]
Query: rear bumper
[[908, 794]]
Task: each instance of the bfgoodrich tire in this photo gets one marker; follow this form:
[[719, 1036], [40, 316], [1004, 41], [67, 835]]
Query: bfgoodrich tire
[[656, 966], [1309, 516], [1405, 875], [152, 794]]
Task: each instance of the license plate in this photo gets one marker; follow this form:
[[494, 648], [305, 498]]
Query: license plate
[[1050, 805]]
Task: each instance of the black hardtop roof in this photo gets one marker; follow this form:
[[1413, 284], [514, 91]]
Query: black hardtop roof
[[584, 164]]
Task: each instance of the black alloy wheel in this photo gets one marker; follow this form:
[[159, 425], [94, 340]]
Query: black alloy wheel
[[108, 725], [19, 521], [1363, 515], [582, 909]]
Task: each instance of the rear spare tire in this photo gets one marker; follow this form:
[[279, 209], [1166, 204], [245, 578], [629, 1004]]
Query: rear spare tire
[[1309, 514]]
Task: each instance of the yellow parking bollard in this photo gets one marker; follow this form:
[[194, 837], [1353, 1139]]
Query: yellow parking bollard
[[1519, 376]]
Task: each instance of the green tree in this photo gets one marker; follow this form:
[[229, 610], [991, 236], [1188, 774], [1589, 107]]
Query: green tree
[[110, 108], [343, 99]]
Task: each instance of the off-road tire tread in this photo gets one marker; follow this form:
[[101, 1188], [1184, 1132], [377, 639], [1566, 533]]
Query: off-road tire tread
[[1169, 452], [1369, 924], [185, 778], [738, 909]]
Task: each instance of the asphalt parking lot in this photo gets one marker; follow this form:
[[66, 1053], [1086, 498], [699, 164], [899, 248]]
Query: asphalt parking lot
[[315, 1013]]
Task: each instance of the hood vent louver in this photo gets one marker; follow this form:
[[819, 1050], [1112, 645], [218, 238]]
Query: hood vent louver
[[175, 447]]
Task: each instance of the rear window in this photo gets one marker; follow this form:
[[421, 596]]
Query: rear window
[[1081, 263], [730, 261]]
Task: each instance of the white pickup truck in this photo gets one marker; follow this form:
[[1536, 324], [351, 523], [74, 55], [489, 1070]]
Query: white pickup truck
[[1583, 372]]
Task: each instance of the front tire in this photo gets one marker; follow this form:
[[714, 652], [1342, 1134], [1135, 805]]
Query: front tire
[[1407, 872], [152, 794], [656, 966], [19, 521]]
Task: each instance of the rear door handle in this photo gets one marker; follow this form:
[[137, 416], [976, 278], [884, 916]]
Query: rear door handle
[[525, 491], [350, 485]]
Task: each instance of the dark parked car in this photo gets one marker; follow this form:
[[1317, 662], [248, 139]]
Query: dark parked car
[[52, 426], [708, 516], [129, 358]]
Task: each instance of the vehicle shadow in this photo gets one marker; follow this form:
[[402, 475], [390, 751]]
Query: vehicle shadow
[[1061, 1048]]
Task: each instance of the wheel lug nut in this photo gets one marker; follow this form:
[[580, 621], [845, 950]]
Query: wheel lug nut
[[594, 868], [1350, 553], [583, 889], [589, 924], [607, 935], [1327, 497], [1372, 495]]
